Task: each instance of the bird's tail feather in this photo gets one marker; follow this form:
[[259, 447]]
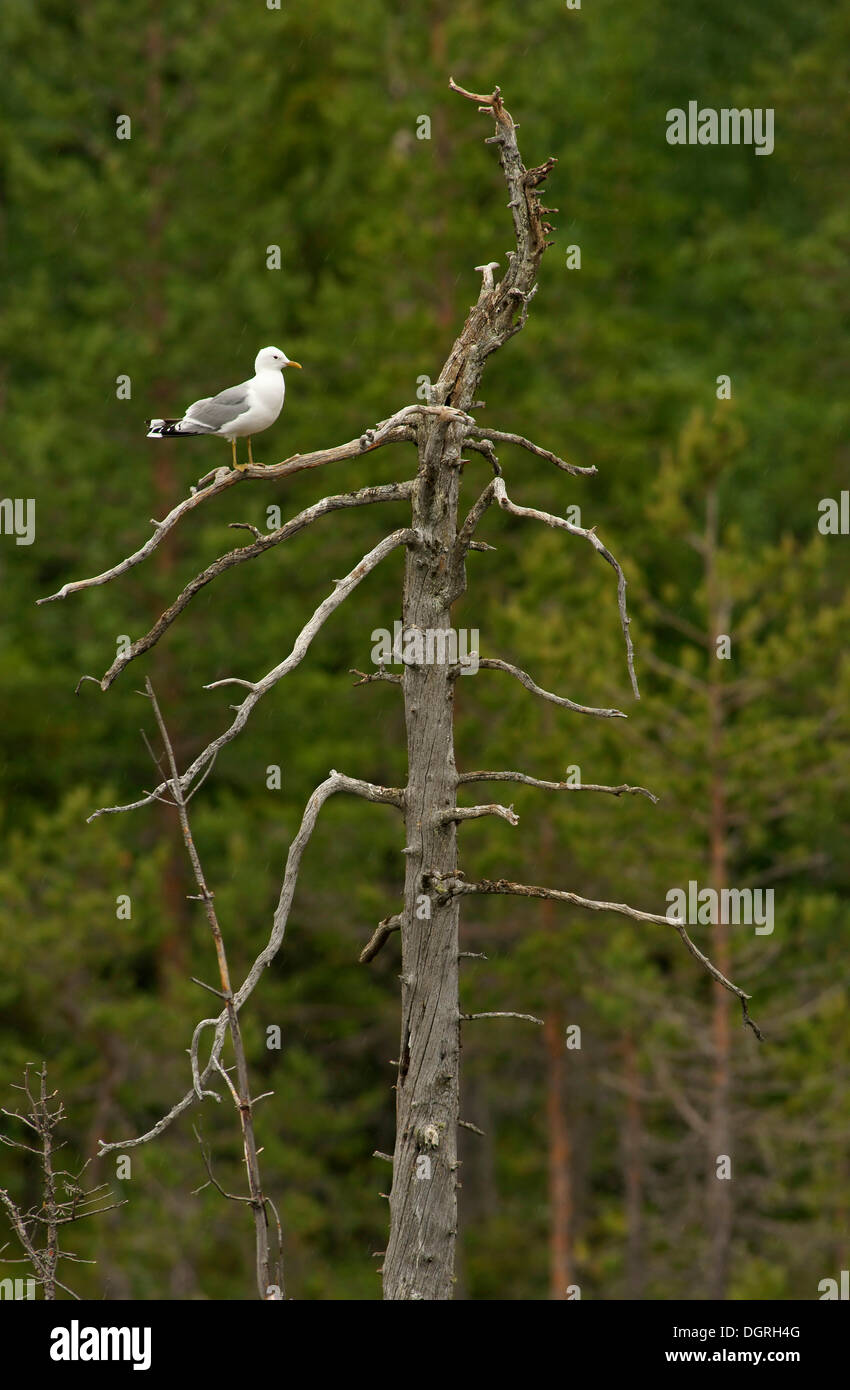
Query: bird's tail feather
[[162, 429]]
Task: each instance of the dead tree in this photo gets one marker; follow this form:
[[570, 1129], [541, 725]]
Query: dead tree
[[419, 1259], [63, 1200]]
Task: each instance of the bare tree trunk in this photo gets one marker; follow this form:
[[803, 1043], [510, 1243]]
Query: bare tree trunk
[[419, 1261]]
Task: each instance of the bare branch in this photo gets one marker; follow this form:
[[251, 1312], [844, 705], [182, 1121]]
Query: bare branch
[[260, 688], [494, 664], [379, 937], [367, 677], [505, 437], [458, 813], [485, 447], [495, 492], [193, 1058], [392, 431], [202, 779], [476, 511], [390, 492], [17, 1221], [507, 505], [335, 782], [483, 102], [467, 1124], [622, 790], [212, 1181], [527, 1018], [525, 890], [487, 275]]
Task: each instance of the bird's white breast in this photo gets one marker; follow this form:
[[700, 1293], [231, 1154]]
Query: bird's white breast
[[266, 402]]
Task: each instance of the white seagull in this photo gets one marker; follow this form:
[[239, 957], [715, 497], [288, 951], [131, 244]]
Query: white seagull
[[239, 411]]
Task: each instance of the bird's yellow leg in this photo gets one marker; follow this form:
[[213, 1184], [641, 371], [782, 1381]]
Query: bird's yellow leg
[[250, 454], [240, 468]]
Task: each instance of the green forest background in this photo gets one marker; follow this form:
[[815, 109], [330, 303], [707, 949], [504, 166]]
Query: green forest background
[[146, 257]]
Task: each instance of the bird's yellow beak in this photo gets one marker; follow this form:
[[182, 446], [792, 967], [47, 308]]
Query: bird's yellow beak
[[290, 363]]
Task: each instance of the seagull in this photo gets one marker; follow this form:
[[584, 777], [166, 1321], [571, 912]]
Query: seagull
[[239, 411]]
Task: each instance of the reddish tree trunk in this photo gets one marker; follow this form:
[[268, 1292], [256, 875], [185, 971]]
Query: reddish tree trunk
[[560, 1180], [633, 1170], [719, 1206]]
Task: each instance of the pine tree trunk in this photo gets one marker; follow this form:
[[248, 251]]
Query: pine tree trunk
[[632, 1141], [719, 1204], [560, 1185], [561, 1264], [419, 1262]]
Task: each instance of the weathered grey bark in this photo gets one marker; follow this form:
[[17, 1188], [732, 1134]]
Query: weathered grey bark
[[419, 1261]]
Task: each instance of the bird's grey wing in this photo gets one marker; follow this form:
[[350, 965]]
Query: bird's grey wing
[[214, 412]]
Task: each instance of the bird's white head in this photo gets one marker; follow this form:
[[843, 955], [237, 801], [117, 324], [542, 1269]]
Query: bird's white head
[[271, 359]]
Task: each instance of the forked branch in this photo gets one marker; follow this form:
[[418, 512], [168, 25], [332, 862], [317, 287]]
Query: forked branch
[[257, 689], [396, 430], [333, 783], [389, 492]]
